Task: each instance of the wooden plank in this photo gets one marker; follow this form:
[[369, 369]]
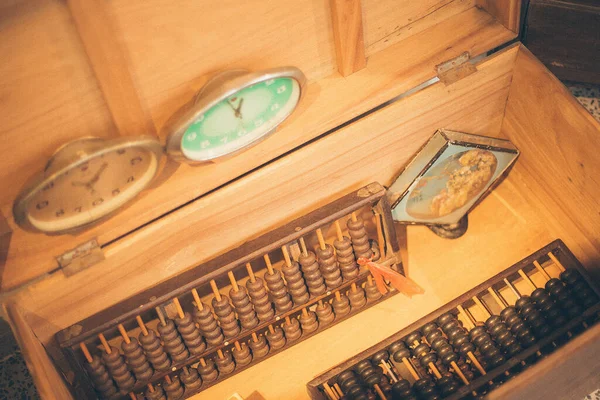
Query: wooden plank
[[328, 103], [48, 382], [558, 156], [282, 191], [389, 22], [109, 61], [569, 373], [348, 35], [565, 36], [507, 12]]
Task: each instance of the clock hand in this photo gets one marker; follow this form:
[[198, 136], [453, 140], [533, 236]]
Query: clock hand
[[97, 175], [238, 110]]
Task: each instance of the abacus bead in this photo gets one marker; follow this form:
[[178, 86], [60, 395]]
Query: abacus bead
[[174, 389], [260, 299], [243, 307], [380, 356], [243, 356], [312, 274], [325, 313], [426, 389], [360, 240], [102, 381], [225, 365], [276, 339], [372, 291], [208, 372], [208, 326], [413, 337], [226, 316], [346, 259], [191, 380], [341, 307], [278, 291], [447, 385], [118, 369], [309, 322], [154, 351], [157, 394], [292, 330], [295, 283], [259, 348], [357, 298], [190, 334], [329, 267], [172, 341], [445, 318], [399, 351]]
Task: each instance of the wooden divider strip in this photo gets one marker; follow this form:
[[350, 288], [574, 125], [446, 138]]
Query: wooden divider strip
[[348, 36]]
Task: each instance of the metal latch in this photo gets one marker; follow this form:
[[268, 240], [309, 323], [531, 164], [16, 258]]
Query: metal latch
[[81, 257], [455, 69]]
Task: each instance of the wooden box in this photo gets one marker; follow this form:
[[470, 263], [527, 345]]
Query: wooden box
[[374, 97]]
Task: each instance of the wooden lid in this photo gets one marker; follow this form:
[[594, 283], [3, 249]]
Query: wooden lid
[[392, 48]]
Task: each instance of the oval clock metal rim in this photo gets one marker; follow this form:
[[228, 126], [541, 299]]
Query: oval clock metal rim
[[44, 177], [208, 97]]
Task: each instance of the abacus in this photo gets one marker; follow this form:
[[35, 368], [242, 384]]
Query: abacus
[[284, 287], [479, 340]]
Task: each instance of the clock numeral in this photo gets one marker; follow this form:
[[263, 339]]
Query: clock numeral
[[130, 179], [136, 160], [78, 209], [98, 202], [275, 107], [48, 186], [41, 205], [281, 89], [60, 212], [191, 137], [242, 132], [199, 119], [224, 139], [121, 151], [258, 122], [204, 144], [269, 82], [116, 192]]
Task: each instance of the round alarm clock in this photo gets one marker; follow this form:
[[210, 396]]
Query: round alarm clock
[[234, 111], [85, 181]]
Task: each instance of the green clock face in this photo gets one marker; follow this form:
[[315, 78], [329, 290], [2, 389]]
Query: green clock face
[[240, 119]]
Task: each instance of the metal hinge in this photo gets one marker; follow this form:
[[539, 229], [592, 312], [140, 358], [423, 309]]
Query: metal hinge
[[81, 257], [455, 69]]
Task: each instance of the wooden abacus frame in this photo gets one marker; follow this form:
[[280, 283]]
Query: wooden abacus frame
[[564, 256], [143, 304]]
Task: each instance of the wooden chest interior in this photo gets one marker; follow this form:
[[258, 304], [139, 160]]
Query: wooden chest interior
[[349, 131]]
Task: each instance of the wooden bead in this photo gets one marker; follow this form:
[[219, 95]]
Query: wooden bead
[[372, 291], [312, 273], [137, 360], [226, 316], [155, 351], [276, 338], [208, 325], [190, 378], [172, 341], [346, 259], [329, 267], [357, 298], [295, 283], [260, 299], [157, 393], [308, 321], [341, 306], [292, 329], [191, 334], [208, 371], [102, 381], [360, 240], [260, 347], [225, 364], [118, 369], [325, 313], [243, 307], [173, 389], [242, 355], [278, 291]]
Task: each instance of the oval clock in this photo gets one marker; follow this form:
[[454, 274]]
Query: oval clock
[[232, 112], [86, 180]]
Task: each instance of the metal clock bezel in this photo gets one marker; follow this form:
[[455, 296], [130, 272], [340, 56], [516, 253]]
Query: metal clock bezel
[[221, 86], [70, 156]]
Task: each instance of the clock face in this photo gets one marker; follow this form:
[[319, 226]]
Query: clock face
[[240, 119], [90, 190]]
